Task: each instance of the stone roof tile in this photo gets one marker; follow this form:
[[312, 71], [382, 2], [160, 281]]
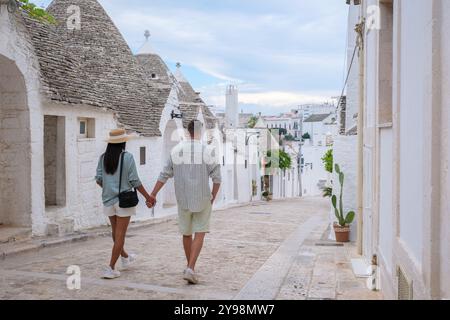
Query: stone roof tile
[[95, 66]]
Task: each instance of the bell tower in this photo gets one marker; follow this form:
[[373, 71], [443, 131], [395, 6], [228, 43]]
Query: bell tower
[[232, 107]]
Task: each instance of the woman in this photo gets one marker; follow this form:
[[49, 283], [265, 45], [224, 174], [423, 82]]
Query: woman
[[108, 178]]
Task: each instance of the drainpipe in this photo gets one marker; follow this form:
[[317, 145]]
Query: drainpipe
[[360, 30], [299, 160]]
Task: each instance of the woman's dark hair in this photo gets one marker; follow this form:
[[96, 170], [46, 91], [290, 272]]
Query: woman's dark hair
[[112, 156]]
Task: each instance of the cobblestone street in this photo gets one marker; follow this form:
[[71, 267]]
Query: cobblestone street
[[262, 251]]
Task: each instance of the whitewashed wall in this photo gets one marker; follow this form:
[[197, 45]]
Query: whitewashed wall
[[15, 46], [420, 147], [344, 154], [444, 226], [311, 177], [83, 208], [386, 218]]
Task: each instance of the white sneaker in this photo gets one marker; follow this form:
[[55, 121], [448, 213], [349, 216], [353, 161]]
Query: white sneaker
[[110, 273], [127, 262], [189, 276]]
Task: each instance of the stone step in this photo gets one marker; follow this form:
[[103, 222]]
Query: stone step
[[10, 234]]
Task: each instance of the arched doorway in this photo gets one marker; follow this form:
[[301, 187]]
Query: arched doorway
[[171, 138], [15, 151]]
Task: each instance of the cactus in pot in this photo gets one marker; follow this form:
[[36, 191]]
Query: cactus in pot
[[342, 227]]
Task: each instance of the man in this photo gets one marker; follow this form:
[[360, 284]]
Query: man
[[191, 164]]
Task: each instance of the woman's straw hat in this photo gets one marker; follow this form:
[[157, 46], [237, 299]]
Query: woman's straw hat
[[118, 136]]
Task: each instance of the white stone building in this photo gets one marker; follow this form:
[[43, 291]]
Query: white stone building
[[404, 130], [62, 88], [307, 110], [321, 128], [289, 121]]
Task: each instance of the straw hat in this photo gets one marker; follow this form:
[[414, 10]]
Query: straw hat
[[118, 136]]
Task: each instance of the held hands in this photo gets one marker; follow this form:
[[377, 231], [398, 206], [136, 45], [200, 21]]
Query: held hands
[[151, 201]]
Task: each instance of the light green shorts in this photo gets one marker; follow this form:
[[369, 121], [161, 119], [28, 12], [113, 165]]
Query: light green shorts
[[193, 222]]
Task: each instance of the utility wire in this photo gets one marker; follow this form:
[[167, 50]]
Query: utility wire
[[348, 75]]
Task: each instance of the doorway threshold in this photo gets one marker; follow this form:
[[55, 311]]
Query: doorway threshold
[[361, 268]]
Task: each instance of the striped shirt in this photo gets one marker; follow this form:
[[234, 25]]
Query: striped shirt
[[191, 164]]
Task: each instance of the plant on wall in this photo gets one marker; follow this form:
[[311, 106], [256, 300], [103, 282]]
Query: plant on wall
[[306, 136], [343, 220], [274, 159], [289, 137], [252, 122], [328, 161], [33, 11], [278, 159]]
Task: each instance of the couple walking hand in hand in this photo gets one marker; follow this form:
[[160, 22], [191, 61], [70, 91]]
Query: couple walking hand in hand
[[187, 164]]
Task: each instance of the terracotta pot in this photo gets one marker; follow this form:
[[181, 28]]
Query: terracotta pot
[[342, 233]]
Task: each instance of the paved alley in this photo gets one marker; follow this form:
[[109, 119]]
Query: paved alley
[[262, 251]]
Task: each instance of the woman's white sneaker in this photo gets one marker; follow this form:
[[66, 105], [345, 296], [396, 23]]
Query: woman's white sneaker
[[109, 273], [127, 262], [189, 276]]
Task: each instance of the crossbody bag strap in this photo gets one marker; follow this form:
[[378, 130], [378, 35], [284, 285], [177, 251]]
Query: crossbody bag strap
[[121, 167]]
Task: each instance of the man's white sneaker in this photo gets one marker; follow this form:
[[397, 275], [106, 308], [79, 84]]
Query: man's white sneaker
[[110, 273], [189, 276], [127, 262]]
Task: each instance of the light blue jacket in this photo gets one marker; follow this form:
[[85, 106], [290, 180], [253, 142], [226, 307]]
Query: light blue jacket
[[110, 182]]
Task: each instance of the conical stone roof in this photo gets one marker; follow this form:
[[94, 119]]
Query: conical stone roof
[[111, 75], [155, 69], [158, 73], [59, 70]]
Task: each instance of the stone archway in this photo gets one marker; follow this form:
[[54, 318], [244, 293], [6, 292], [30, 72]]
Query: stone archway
[[171, 138], [15, 150]]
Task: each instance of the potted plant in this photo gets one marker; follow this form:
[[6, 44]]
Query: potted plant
[[254, 188], [342, 226]]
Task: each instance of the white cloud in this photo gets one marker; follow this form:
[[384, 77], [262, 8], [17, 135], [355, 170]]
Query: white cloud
[[276, 100], [279, 99]]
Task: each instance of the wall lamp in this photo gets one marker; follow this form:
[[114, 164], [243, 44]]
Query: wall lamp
[[176, 115]]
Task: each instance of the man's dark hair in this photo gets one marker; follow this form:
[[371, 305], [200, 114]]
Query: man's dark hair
[[194, 126]]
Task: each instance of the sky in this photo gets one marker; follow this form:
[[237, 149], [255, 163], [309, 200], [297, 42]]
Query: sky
[[280, 53]]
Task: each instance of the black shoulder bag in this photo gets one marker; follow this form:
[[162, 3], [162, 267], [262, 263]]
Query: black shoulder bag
[[127, 199]]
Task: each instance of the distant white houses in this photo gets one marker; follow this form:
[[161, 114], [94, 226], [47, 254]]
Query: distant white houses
[[307, 110], [246, 147], [319, 131], [290, 121]]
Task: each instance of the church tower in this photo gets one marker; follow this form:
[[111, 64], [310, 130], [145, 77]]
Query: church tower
[[232, 108]]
